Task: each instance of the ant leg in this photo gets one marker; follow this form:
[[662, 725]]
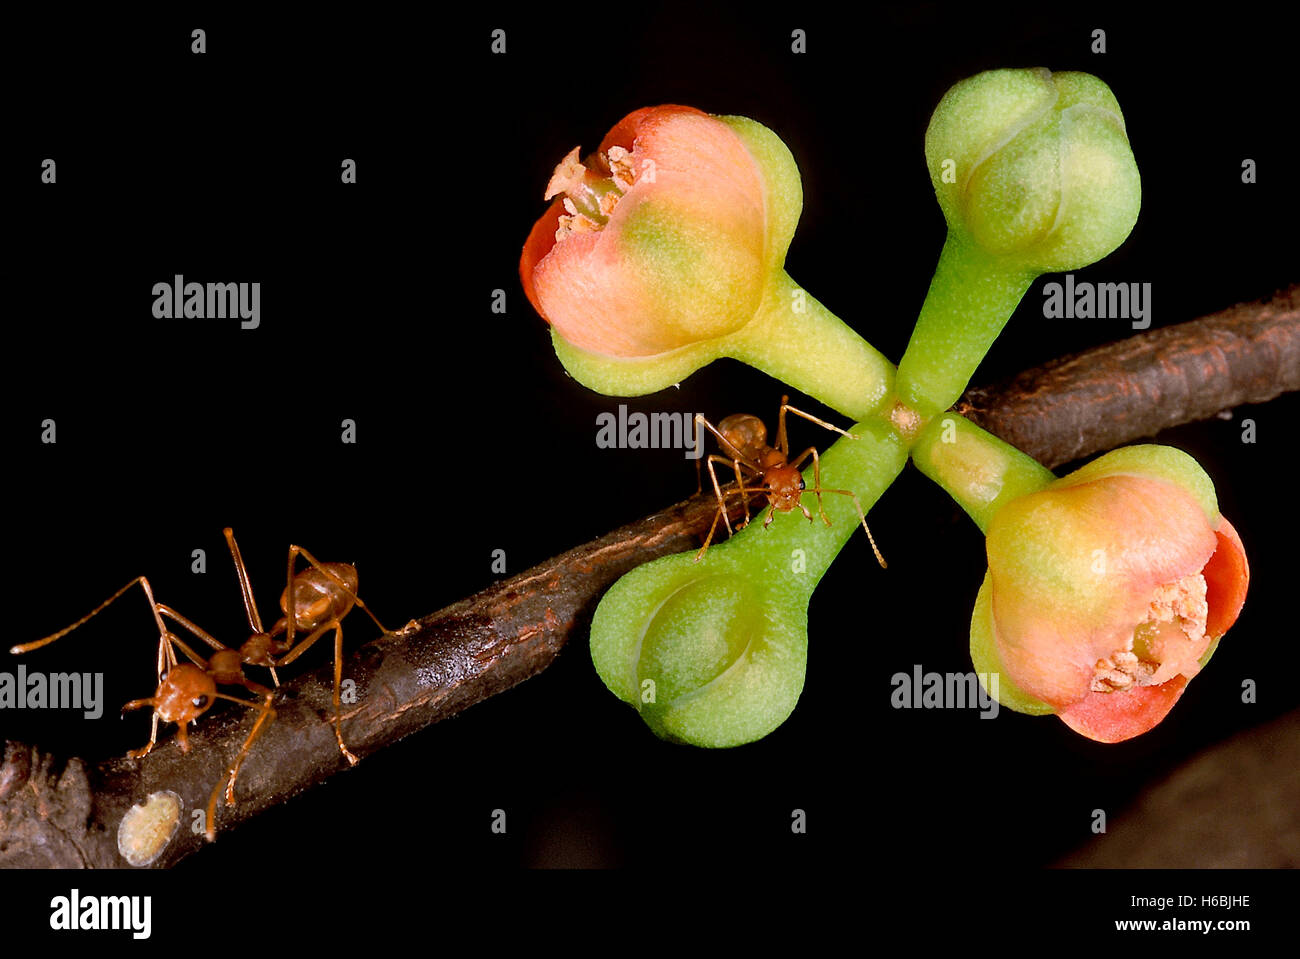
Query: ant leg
[[709, 539], [264, 720], [338, 675], [245, 586], [153, 733], [782, 443], [268, 714], [246, 592], [812, 419], [862, 516], [181, 735], [717, 491], [736, 466], [305, 644], [721, 512], [338, 680], [166, 660], [198, 631], [257, 689], [291, 614], [294, 550], [166, 657], [744, 493], [153, 604]]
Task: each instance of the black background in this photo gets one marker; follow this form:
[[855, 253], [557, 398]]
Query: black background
[[376, 307]]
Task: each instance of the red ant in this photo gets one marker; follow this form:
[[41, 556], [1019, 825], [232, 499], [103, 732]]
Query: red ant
[[185, 690], [321, 597], [744, 437]]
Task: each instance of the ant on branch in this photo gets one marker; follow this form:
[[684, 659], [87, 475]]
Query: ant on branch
[[185, 691], [743, 437], [321, 596]]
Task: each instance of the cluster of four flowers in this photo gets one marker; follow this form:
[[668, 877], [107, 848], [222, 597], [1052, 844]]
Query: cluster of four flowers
[[1107, 589]]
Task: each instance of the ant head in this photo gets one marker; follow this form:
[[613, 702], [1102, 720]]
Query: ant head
[[744, 431], [184, 694], [784, 487]]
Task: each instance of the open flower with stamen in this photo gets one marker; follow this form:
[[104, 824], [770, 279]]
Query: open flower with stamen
[[664, 249], [1107, 590]]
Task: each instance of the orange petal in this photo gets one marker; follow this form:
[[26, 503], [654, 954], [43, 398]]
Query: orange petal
[[1227, 577], [539, 243], [1115, 717], [638, 122]]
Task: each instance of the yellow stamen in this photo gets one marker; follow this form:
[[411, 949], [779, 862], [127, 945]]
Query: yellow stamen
[[1177, 607], [589, 197]]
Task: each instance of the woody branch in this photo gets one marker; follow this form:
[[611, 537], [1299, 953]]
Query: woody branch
[[66, 813]]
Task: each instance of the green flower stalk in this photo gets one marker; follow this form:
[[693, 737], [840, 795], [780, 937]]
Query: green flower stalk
[[665, 250], [714, 653], [979, 471], [1034, 173]]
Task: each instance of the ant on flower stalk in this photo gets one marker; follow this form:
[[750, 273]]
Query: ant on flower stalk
[[743, 437]]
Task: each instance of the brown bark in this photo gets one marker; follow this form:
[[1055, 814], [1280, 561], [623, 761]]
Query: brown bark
[[68, 813], [1105, 397]]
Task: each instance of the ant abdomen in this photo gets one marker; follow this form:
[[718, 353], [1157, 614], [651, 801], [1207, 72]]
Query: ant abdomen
[[318, 597], [744, 431]]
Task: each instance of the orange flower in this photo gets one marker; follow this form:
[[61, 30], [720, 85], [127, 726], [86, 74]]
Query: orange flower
[[656, 241], [665, 250], [1108, 590]]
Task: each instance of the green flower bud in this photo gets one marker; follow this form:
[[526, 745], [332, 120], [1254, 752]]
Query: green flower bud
[[1034, 173], [1042, 174]]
